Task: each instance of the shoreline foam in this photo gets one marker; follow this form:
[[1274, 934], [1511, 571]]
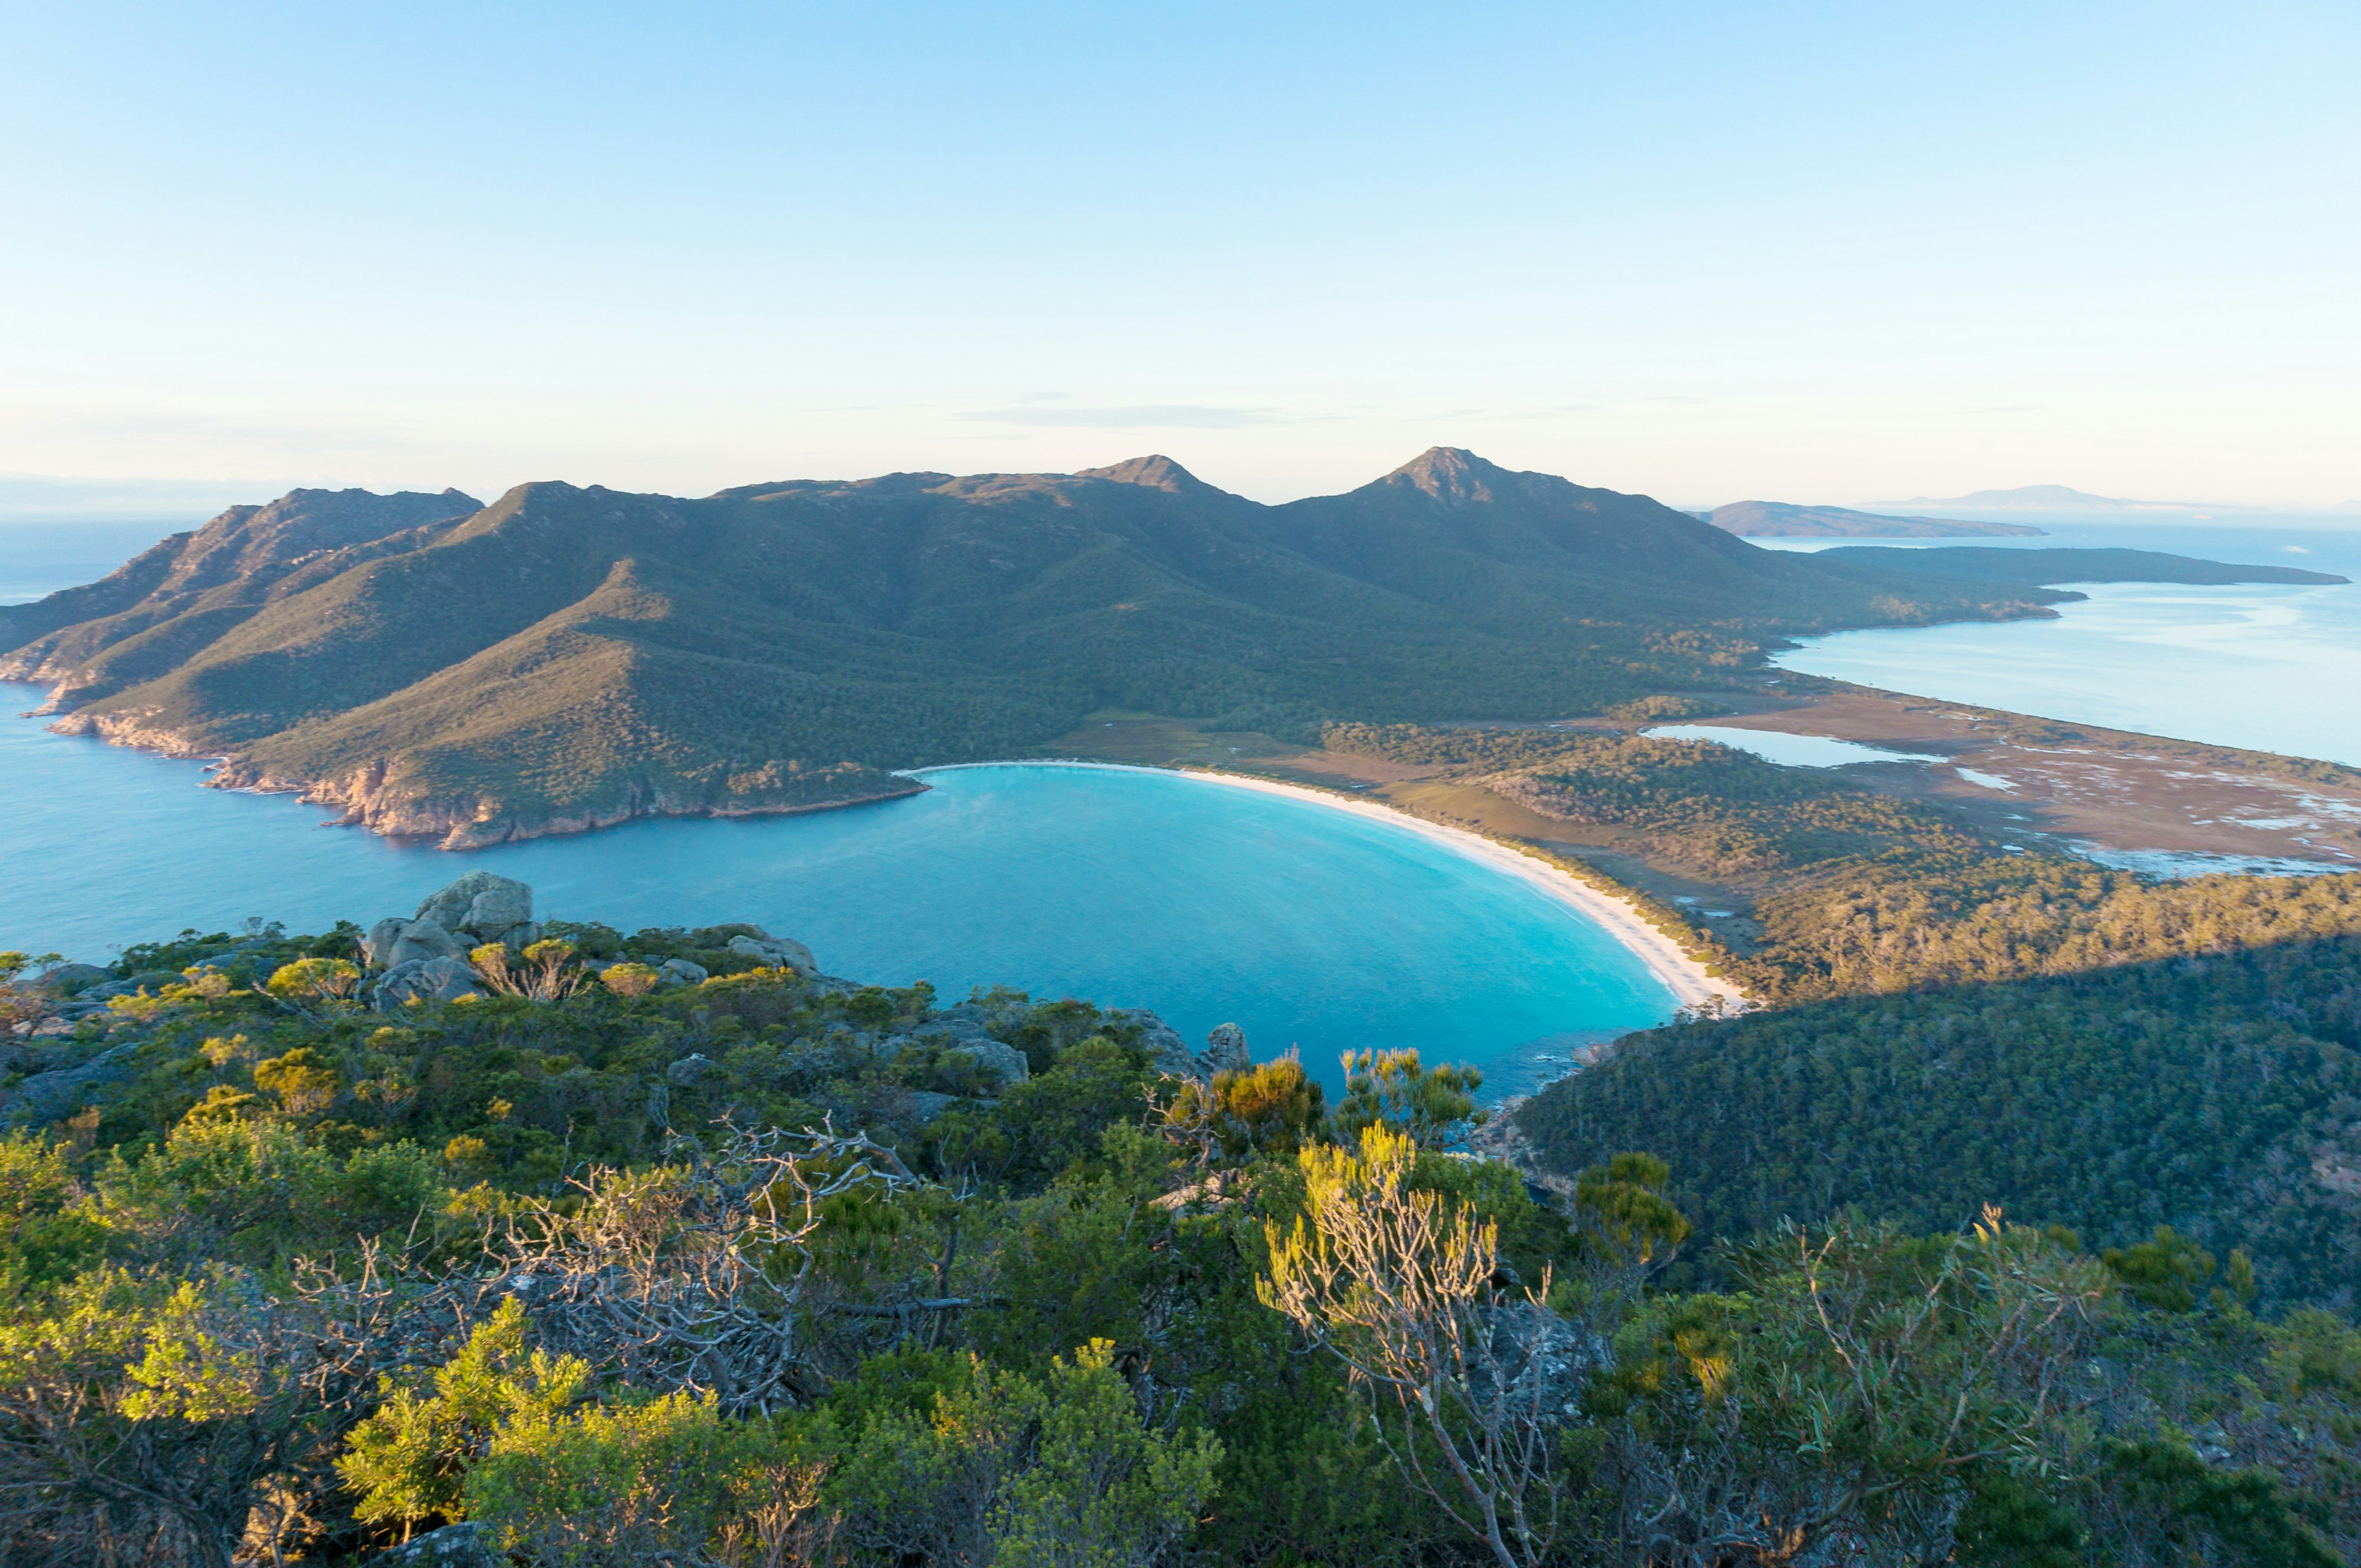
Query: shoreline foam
[[1682, 975]]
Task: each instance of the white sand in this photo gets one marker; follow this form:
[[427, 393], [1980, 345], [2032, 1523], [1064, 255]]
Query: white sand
[[1684, 976]]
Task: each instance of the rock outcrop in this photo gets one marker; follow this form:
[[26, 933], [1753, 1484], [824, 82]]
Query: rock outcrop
[[960, 1032], [72, 979], [453, 1546], [425, 979], [1225, 1051], [776, 952], [1168, 1053], [424, 958], [47, 1096]]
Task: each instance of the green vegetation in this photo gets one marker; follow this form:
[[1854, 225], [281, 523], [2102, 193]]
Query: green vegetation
[[769, 1270], [1955, 1025], [568, 656], [2211, 1093], [1854, 890], [1952, 1025]]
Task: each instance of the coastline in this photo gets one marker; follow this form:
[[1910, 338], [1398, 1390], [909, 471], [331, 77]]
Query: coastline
[[1621, 918]]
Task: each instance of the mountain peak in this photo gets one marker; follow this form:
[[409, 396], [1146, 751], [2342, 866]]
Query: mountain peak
[[1452, 475], [1155, 471]]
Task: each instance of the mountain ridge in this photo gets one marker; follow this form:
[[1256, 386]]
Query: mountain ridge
[[568, 656]]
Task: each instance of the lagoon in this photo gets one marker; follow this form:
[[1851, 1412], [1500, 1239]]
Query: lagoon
[[1308, 925]]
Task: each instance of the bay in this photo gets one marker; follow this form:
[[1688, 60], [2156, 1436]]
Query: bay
[[1310, 928], [2264, 668]]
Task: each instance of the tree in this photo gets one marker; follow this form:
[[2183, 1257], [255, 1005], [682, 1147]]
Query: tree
[[544, 973], [1465, 1380], [301, 1079], [629, 979], [315, 981]]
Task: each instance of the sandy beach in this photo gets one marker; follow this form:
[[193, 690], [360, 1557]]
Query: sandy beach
[[1684, 976]]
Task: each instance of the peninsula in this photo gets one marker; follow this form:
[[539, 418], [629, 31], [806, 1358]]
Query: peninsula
[[568, 658]]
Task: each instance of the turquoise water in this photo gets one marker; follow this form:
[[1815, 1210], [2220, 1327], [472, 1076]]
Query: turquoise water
[[1308, 926], [2267, 668]]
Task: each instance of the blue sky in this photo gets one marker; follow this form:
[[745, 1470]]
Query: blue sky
[[1819, 253]]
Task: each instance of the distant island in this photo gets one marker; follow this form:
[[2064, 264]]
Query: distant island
[[567, 658], [1784, 519], [2048, 498]]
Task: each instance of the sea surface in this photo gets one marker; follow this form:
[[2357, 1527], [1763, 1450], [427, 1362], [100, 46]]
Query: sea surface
[[38, 558], [1308, 926], [2265, 667]]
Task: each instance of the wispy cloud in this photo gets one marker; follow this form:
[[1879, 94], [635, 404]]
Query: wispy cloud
[[1145, 416]]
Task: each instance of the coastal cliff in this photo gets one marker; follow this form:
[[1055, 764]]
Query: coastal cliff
[[383, 798]]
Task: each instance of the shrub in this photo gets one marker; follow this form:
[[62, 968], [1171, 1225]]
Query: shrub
[[314, 979], [663, 1480], [629, 979]]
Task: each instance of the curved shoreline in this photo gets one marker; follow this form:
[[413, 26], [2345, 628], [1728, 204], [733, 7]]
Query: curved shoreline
[[1621, 919]]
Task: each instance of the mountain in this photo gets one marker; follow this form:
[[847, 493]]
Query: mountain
[[2043, 498], [174, 599], [2032, 568], [1782, 520], [568, 657]]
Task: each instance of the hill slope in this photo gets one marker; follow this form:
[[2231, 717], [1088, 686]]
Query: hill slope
[[174, 599], [2076, 1047], [568, 657]]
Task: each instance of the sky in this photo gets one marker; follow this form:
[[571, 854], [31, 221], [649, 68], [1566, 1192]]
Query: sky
[[1819, 253]]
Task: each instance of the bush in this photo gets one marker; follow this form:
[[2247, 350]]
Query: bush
[[628, 979], [663, 1480], [1022, 1472]]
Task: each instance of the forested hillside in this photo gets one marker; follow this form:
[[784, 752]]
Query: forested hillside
[[663, 1248], [1948, 1021], [568, 657], [2218, 1093]]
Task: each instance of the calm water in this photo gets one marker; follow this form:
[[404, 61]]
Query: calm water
[[1306, 925], [1789, 751], [37, 559], [2272, 669]]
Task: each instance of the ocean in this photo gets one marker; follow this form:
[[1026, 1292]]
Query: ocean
[[2265, 667]]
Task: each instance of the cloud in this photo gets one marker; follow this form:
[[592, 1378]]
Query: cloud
[[1146, 416]]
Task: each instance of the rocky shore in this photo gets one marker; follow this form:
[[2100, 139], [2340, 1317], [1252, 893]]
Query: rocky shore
[[372, 797]]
